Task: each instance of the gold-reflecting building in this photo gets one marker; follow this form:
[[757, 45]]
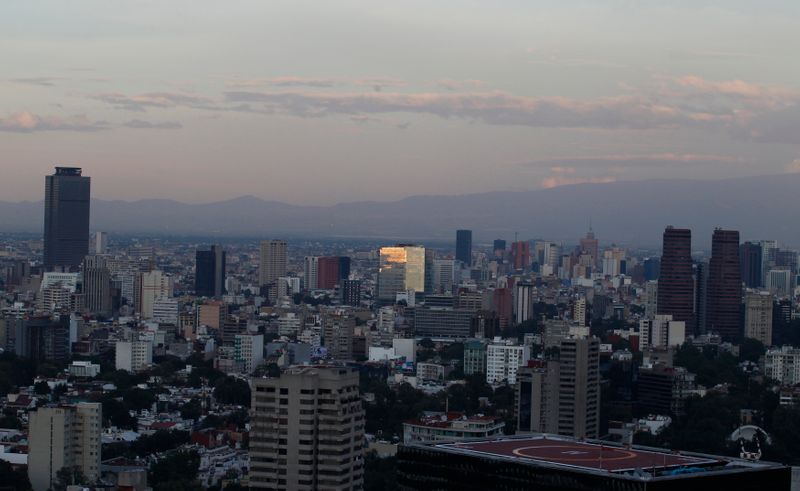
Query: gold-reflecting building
[[402, 268]]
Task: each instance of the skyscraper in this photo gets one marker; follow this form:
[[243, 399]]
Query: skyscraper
[[589, 245], [307, 430], [64, 436], [499, 247], [675, 281], [66, 218], [209, 279], [401, 268], [311, 272], [273, 261], [758, 316], [724, 286], [97, 285], [464, 246], [520, 254], [750, 257]]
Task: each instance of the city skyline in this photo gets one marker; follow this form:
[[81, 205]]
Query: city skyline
[[236, 87]]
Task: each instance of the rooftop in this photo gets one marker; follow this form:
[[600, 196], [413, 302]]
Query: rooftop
[[592, 456]]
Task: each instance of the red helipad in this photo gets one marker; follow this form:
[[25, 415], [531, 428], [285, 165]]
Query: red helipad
[[577, 454]]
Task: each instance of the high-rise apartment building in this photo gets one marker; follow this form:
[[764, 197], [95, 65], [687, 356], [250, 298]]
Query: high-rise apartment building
[[675, 281], [149, 287], [311, 272], [66, 218], [464, 247], [503, 360], [43, 338], [97, 285], [273, 261], [750, 264], [134, 356], [249, 349], [401, 268], [307, 430], [64, 436], [758, 316], [209, 279], [724, 286], [562, 396]]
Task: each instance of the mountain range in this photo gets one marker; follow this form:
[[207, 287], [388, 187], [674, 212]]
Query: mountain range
[[630, 212]]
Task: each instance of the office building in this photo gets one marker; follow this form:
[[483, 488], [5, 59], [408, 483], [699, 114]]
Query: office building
[[520, 255], [779, 282], [503, 360], [166, 310], [474, 357], [464, 247], [401, 268], [664, 390], [134, 356], [675, 281], [701, 298], [307, 430], [562, 396], [758, 316], [443, 275], [499, 248], [652, 268], [724, 298], [97, 285], [66, 219], [273, 263], [209, 280], [769, 248], [589, 245], [351, 292], [43, 338], [750, 257], [661, 332], [329, 272], [100, 243], [64, 436], [547, 462], [523, 302], [443, 322]]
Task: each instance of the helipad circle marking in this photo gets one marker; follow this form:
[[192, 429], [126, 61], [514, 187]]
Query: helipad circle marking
[[520, 453]]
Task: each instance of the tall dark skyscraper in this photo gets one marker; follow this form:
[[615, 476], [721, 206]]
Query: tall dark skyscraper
[[66, 219], [724, 286], [464, 246], [209, 278], [750, 264], [700, 298], [676, 281], [499, 248]]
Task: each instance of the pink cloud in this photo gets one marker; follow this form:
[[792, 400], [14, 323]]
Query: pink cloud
[[28, 122], [560, 180]]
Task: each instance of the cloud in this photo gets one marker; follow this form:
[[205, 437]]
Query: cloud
[[38, 81], [632, 160], [284, 82], [140, 124], [454, 85], [562, 180], [142, 102], [27, 122], [380, 83], [497, 108], [794, 166]]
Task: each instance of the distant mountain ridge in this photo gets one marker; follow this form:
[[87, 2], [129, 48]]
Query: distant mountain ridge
[[632, 212]]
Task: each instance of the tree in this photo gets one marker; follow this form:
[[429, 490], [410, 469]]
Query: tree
[[41, 388], [231, 390], [14, 479], [751, 350], [69, 476], [176, 472]]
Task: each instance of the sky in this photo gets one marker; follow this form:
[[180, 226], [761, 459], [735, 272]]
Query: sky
[[317, 102]]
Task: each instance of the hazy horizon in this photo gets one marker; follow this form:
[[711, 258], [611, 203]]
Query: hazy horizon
[[321, 103]]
